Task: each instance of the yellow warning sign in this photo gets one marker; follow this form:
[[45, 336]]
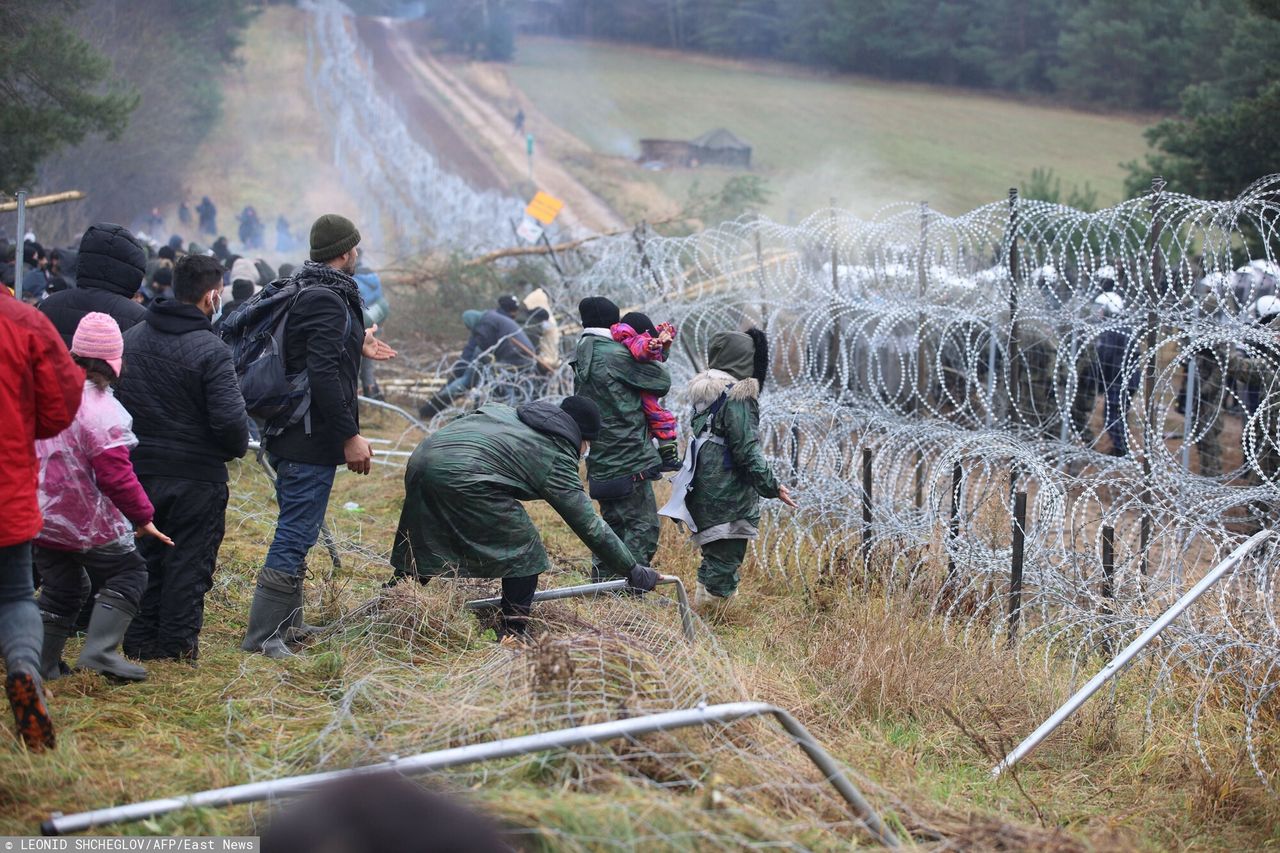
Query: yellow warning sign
[[544, 207]]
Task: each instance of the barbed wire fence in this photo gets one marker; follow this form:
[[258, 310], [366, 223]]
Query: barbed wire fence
[[1115, 373], [410, 200], [1081, 406]]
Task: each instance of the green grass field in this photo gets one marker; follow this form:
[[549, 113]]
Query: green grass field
[[862, 142]]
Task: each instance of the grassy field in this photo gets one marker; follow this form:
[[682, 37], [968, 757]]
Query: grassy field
[[864, 143], [415, 672]]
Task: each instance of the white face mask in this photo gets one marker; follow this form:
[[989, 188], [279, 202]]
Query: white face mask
[[217, 310]]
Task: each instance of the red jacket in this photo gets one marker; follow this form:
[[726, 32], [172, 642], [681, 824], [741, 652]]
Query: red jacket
[[40, 388]]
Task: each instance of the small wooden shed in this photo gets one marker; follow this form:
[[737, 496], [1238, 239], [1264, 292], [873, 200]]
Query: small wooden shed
[[718, 147]]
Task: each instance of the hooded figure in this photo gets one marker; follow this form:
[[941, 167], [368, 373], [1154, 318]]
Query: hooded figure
[[463, 487], [728, 475], [109, 271]]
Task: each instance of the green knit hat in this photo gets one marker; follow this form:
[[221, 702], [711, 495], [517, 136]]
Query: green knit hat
[[332, 235]]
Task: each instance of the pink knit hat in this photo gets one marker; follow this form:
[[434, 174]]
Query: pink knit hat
[[98, 336]]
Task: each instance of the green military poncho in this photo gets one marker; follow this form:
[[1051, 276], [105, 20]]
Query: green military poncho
[[605, 371], [463, 486]]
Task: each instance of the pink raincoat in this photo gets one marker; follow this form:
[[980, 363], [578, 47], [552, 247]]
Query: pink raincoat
[[89, 495]]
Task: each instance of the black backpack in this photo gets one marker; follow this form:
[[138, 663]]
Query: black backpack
[[255, 333]]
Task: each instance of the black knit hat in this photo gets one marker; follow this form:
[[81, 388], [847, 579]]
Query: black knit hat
[[585, 414], [597, 312], [508, 304], [332, 235], [639, 322]]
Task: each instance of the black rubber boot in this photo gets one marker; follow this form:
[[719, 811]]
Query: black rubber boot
[[56, 632], [270, 615], [110, 619], [299, 631]]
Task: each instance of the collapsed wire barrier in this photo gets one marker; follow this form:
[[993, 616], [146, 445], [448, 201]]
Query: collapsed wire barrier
[[629, 729], [411, 672]]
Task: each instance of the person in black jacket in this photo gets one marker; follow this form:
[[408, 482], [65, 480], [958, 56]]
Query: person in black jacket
[[109, 270], [190, 421], [326, 338]]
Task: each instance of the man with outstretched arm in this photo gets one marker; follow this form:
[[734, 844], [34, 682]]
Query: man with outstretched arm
[[463, 487]]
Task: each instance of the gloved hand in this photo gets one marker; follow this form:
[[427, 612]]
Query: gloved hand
[[670, 456], [642, 578]]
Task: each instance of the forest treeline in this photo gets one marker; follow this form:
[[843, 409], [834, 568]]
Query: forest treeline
[[1211, 66], [1130, 54]]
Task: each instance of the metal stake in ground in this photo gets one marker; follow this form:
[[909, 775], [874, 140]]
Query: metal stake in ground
[[953, 528], [1015, 572], [866, 514]]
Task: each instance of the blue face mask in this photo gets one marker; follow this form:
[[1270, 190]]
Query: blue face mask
[[217, 311]]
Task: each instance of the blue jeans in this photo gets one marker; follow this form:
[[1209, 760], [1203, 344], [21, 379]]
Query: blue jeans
[[302, 492], [21, 632], [465, 382]]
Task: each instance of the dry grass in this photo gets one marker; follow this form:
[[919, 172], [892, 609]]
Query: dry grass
[[918, 711]]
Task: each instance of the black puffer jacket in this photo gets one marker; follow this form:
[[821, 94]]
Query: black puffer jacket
[[109, 271], [323, 336], [180, 387]]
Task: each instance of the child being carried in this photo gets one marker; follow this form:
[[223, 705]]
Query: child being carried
[[648, 342]]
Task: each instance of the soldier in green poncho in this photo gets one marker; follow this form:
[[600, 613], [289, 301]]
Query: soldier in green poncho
[[729, 474], [463, 485], [623, 461]]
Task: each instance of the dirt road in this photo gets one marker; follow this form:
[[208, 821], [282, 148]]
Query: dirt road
[[476, 124], [428, 120]]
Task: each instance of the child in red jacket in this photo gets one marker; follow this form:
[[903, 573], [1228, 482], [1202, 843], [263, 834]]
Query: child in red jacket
[[92, 503], [648, 342]]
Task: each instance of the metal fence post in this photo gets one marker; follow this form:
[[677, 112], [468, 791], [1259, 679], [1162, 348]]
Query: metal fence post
[[1012, 353], [866, 510], [953, 528], [1108, 576], [1152, 435], [922, 373], [1015, 573], [20, 245]]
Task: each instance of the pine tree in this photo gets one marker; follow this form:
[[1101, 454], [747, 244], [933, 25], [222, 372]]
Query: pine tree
[[56, 89]]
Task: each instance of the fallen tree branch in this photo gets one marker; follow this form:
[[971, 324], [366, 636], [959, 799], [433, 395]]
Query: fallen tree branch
[[42, 200]]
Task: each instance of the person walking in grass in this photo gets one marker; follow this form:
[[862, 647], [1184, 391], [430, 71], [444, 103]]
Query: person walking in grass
[[190, 420], [324, 339], [92, 504], [725, 473], [40, 391], [623, 464], [463, 487]]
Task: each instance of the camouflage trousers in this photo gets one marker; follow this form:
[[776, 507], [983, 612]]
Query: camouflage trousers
[[718, 571], [635, 520]]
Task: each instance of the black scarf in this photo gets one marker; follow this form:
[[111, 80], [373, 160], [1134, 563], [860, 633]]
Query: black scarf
[[316, 274]]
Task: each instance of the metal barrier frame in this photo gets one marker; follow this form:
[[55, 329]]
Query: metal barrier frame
[[602, 588], [703, 715], [1131, 651]]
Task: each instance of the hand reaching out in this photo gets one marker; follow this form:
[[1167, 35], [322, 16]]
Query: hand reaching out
[[149, 529], [784, 495], [376, 349]]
